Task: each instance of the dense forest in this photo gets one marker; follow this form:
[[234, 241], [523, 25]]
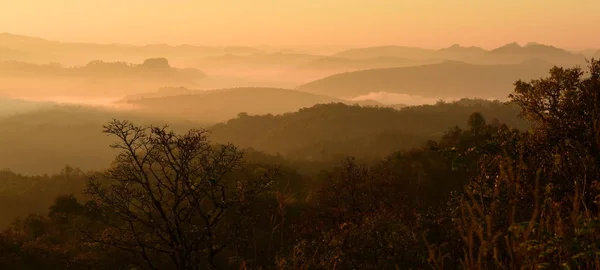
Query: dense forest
[[52, 136], [471, 184]]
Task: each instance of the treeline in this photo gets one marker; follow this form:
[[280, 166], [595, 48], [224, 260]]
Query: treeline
[[329, 131], [483, 196], [320, 133]]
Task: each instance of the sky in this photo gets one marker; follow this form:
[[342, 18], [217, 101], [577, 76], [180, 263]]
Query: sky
[[423, 23]]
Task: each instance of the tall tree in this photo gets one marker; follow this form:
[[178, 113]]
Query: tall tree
[[171, 198]]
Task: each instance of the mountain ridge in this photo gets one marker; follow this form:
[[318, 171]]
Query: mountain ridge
[[451, 79]]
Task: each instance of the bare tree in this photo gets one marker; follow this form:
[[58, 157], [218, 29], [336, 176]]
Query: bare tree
[[174, 198]]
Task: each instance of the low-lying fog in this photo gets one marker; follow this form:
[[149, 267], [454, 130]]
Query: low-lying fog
[[10, 105]]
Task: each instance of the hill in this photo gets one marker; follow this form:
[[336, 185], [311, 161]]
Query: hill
[[257, 67], [349, 63], [161, 92], [27, 43], [44, 139], [152, 66], [277, 59], [327, 66], [72, 134], [511, 53], [387, 51], [95, 78], [9, 107], [531, 48], [8, 54], [223, 104], [457, 48], [450, 79], [328, 131], [457, 51], [514, 53], [75, 53]]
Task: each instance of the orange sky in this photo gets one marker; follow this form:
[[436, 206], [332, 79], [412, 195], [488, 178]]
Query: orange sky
[[425, 23]]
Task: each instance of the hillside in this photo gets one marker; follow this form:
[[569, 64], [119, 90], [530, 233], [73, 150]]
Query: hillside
[[457, 48], [223, 104], [450, 79], [511, 53], [458, 52], [349, 63], [277, 59], [96, 78], [27, 43], [514, 53], [72, 134], [10, 107], [43, 139], [531, 48], [257, 67], [74, 53], [8, 54], [150, 67], [387, 51], [327, 131], [327, 66], [161, 92]]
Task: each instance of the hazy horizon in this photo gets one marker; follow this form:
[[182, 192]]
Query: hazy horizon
[[308, 23], [313, 134], [333, 48]]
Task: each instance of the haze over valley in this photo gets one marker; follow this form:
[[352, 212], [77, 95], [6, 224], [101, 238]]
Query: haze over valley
[[207, 85], [309, 134], [39, 69]]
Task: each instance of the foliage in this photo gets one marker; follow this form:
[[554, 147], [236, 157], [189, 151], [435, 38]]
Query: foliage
[[171, 195], [484, 195]]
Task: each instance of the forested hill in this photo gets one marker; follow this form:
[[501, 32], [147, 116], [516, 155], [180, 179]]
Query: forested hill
[[223, 104], [327, 131]]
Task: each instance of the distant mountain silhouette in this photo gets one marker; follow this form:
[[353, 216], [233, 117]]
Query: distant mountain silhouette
[[457, 48], [7, 54], [514, 53], [26, 43], [222, 104], [511, 53], [161, 92], [387, 51], [586, 52], [450, 79], [255, 60], [531, 48], [458, 52], [12, 40], [508, 48], [349, 63], [232, 66], [74, 53], [327, 66], [96, 78], [259, 69], [157, 67]]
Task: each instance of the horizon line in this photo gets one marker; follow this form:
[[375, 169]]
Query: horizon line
[[347, 47]]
